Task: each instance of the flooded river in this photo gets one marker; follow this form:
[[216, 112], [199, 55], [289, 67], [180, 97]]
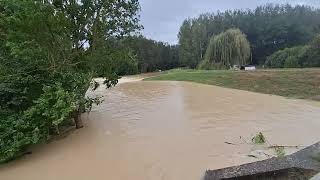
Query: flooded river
[[170, 131]]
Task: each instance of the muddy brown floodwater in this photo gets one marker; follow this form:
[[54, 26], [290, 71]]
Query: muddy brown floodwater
[[170, 131]]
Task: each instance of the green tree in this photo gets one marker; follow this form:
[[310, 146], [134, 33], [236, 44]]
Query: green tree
[[152, 55], [186, 52], [296, 57], [228, 48], [269, 28], [49, 52]]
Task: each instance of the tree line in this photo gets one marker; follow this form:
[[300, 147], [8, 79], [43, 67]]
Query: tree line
[[153, 55], [268, 28], [50, 50], [144, 55]]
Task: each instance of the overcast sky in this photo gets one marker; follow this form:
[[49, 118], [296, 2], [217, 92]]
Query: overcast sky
[[162, 18]]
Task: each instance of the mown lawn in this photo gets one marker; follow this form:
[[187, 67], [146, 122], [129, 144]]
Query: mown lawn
[[294, 83]]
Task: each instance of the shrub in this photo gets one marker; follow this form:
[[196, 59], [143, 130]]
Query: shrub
[[287, 58], [280, 152], [292, 62], [296, 57], [312, 57], [259, 139]]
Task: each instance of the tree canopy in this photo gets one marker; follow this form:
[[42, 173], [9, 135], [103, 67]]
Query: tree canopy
[[296, 57], [268, 28], [152, 55], [49, 53], [228, 48]]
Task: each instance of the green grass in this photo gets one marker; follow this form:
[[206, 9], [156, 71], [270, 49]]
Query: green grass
[[294, 83]]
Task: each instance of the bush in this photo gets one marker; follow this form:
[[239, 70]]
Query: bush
[[16, 133], [291, 62], [259, 139], [312, 57], [287, 58], [19, 129], [296, 57], [280, 151]]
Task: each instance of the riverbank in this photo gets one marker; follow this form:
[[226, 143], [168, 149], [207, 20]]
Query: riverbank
[[293, 83]]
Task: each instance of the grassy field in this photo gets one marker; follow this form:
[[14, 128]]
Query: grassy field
[[294, 83]]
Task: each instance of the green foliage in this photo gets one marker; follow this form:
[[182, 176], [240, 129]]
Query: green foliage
[[288, 58], [292, 62], [206, 65], [54, 106], [296, 57], [187, 53], [113, 56], [312, 56], [280, 151], [259, 139], [16, 133], [133, 55], [268, 28], [126, 66], [50, 51], [152, 55], [228, 48]]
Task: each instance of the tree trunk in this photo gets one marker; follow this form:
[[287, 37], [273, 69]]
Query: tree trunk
[[78, 120]]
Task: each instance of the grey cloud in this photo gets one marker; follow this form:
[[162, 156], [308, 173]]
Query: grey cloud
[[162, 18]]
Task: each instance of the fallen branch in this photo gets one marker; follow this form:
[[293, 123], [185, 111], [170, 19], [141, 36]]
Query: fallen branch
[[230, 143], [283, 146], [253, 156], [268, 155]]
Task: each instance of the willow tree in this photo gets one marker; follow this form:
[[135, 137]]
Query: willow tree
[[228, 48]]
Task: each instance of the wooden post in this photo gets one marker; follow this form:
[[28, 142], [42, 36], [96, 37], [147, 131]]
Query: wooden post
[[77, 117]]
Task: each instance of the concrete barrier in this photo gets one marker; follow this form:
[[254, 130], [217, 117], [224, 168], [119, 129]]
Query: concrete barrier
[[300, 165]]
